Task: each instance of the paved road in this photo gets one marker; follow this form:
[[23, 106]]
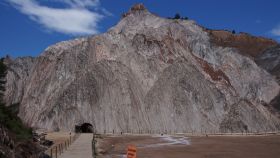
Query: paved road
[[81, 148]]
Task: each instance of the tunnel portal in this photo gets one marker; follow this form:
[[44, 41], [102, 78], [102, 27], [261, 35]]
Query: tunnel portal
[[84, 128]]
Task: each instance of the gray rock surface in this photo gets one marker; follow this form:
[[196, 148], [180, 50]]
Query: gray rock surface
[[146, 73], [270, 61], [17, 77]]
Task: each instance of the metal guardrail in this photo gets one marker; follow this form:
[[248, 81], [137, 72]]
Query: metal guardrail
[[95, 136], [93, 146], [189, 133], [57, 149]]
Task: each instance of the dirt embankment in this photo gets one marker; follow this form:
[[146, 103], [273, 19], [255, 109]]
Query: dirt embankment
[[247, 44]]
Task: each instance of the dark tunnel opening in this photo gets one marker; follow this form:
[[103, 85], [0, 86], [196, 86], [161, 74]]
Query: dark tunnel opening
[[84, 128]]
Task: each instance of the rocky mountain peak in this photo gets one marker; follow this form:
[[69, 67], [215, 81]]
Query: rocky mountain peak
[[135, 9]]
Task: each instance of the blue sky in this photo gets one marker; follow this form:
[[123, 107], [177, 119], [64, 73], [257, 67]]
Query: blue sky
[[27, 27]]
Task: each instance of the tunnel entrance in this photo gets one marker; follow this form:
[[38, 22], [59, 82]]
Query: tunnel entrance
[[84, 128]]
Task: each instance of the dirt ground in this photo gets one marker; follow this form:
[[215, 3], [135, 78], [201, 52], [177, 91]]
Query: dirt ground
[[59, 137], [191, 147]]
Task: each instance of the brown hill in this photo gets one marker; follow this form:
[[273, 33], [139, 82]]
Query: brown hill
[[245, 43]]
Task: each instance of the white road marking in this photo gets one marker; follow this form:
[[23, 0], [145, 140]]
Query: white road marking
[[170, 140]]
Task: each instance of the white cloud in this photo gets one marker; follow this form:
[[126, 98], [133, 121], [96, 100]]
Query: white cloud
[[276, 31], [81, 3], [76, 19]]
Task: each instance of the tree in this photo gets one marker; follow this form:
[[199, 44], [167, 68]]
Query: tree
[[177, 16], [3, 72], [233, 31]]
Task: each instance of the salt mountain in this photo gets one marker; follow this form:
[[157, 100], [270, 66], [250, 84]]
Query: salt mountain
[[147, 74]]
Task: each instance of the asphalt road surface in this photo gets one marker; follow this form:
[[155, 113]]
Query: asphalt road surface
[[81, 148]]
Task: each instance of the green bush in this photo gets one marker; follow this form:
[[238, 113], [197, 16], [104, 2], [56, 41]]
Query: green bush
[[13, 123], [177, 16]]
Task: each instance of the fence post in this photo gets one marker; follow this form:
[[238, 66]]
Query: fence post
[[55, 151], [51, 153], [60, 152], [93, 146], [61, 147]]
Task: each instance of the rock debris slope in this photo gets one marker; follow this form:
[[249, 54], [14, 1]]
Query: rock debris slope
[[146, 73]]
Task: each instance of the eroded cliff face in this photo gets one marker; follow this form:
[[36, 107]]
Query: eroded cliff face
[[19, 71], [147, 73], [270, 61]]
